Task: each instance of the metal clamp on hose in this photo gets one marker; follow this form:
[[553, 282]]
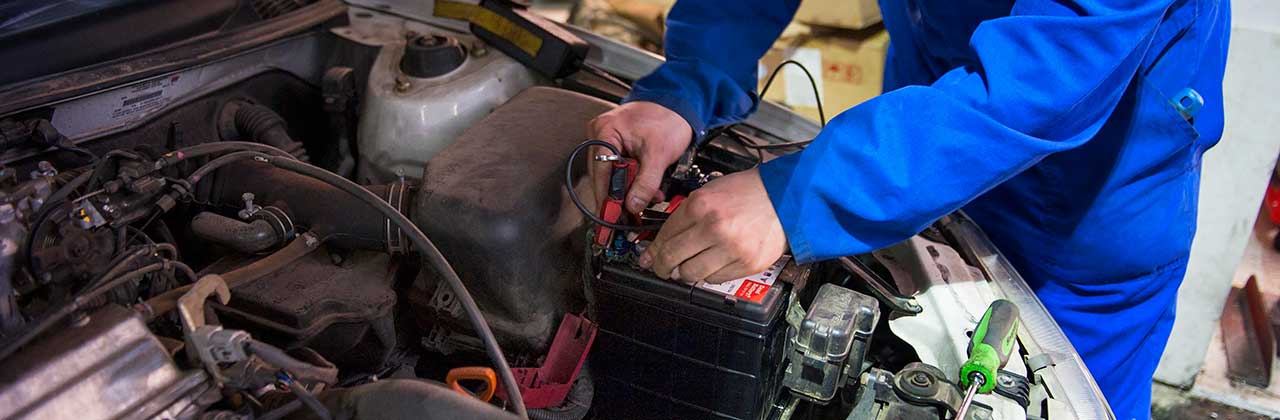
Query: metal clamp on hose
[[279, 221], [396, 194]]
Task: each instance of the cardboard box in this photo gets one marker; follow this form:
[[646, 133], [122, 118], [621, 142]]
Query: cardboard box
[[849, 14], [847, 65]]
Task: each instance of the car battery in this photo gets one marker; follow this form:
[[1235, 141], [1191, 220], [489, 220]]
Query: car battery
[[667, 350]]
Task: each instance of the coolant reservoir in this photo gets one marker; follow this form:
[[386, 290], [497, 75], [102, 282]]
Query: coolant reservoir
[[423, 92]]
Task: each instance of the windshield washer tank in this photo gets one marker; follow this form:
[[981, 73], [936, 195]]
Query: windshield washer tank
[[407, 120]]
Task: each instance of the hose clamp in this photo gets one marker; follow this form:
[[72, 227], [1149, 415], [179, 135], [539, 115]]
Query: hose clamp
[[396, 196], [279, 221]]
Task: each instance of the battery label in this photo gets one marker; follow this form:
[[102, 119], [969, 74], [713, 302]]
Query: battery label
[[752, 288]]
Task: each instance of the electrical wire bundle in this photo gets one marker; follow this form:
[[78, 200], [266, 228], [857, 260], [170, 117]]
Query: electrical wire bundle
[[731, 132], [230, 152]]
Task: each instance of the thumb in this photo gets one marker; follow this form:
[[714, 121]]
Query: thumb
[[645, 187]]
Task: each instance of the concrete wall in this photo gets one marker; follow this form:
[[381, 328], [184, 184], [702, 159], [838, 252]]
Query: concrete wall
[[1235, 174]]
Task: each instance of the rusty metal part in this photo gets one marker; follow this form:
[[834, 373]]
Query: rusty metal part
[[210, 344], [1249, 341], [191, 304]]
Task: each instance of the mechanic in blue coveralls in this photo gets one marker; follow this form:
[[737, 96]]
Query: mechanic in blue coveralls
[[1052, 123]]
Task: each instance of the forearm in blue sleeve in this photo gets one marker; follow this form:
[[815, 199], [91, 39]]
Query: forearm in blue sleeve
[[712, 48], [1048, 77]]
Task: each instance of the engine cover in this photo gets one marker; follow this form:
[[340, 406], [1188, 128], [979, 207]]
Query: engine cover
[[494, 203], [344, 311]]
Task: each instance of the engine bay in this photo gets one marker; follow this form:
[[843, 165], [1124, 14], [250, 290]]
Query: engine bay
[[369, 218]]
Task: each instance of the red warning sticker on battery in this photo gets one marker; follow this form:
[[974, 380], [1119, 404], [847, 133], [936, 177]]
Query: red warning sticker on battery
[[752, 291], [752, 288]]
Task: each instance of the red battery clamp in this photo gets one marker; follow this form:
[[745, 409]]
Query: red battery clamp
[[622, 174]]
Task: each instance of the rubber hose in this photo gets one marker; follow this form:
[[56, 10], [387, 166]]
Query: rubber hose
[[248, 238], [261, 124], [311, 402], [327, 211], [428, 252], [432, 255], [297, 368], [403, 399]]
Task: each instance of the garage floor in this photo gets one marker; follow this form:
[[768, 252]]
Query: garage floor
[[1214, 395]]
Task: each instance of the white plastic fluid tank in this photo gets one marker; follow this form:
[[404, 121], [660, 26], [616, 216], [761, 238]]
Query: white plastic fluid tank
[[405, 120]]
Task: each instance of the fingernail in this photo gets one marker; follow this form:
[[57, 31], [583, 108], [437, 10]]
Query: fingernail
[[645, 260], [635, 204]]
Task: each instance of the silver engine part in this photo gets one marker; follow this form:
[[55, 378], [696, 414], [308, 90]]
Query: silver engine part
[[108, 367]]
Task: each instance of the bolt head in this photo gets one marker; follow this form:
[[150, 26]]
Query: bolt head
[[920, 379]]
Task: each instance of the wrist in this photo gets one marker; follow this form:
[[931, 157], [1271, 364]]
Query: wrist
[[776, 176]]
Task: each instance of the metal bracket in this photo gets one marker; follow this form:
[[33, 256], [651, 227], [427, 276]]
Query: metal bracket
[[880, 287], [925, 384], [212, 344], [1014, 387], [191, 304], [397, 192]]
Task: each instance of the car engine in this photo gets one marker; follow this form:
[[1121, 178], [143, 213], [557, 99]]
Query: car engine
[[370, 213]]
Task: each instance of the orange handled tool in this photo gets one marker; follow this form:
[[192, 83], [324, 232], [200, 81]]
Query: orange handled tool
[[473, 373]]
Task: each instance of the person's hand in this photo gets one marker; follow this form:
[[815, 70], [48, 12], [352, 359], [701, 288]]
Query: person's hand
[[650, 133], [725, 230]]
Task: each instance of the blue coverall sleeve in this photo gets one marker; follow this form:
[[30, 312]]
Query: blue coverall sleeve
[[1045, 80], [712, 48]]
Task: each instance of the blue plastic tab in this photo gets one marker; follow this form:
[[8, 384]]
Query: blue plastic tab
[[1188, 102]]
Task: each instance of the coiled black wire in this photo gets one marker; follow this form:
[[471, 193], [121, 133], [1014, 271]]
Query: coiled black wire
[[573, 195]]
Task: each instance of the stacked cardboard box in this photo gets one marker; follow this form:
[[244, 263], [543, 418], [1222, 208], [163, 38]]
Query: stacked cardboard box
[[847, 65], [842, 44], [847, 14], [839, 41]]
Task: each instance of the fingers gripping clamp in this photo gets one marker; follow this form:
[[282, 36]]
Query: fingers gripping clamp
[[622, 174]]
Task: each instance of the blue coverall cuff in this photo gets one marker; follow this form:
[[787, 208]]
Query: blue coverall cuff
[[675, 103], [776, 176]]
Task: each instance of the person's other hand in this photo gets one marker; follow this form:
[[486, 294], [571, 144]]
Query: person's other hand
[[650, 133], [725, 230]]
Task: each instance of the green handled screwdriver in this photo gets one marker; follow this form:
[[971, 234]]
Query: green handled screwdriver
[[989, 350]]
